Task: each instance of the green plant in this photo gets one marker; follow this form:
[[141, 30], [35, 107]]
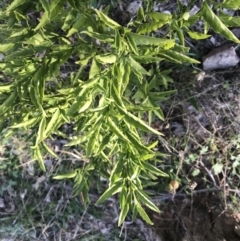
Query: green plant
[[66, 62]]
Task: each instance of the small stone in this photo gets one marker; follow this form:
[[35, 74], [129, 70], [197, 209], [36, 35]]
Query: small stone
[[223, 57]]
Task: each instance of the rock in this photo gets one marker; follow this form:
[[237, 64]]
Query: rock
[[223, 57]]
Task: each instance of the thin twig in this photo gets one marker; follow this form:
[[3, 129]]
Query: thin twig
[[209, 172]]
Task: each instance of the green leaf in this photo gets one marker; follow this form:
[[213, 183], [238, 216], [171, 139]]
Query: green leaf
[[197, 36], [132, 45], [217, 24], [146, 59], [123, 196], [229, 20], [78, 25], [126, 77], [95, 69], [15, 4], [217, 168], [8, 103], [67, 175], [230, 4], [35, 98], [141, 211], [116, 96], [136, 66], [101, 37], [105, 142], [38, 156], [49, 150], [41, 129], [118, 41], [53, 123], [147, 156], [116, 130], [145, 200], [70, 18], [135, 121], [86, 105], [56, 7], [149, 27], [6, 88], [157, 16], [123, 214], [177, 57], [106, 58], [137, 142], [141, 15], [145, 40], [79, 103], [27, 123], [5, 47], [108, 21], [180, 36], [116, 171], [92, 140], [115, 188], [46, 7], [150, 168]]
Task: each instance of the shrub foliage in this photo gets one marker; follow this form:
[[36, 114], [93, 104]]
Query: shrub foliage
[[69, 62]]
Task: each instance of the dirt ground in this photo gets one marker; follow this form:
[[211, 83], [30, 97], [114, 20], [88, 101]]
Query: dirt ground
[[202, 218]]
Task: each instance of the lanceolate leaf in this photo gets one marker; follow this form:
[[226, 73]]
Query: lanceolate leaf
[[149, 27], [46, 7], [79, 103], [55, 119], [217, 24], [5, 88], [56, 7], [137, 142], [145, 40], [8, 103], [136, 66], [150, 168], [106, 58], [48, 149], [115, 188], [116, 130], [132, 44], [108, 21], [38, 156], [135, 121], [67, 175], [15, 4], [116, 95], [157, 16], [196, 35], [5, 47], [70, 18], [41, 129], [230, 21], [142, 212], [105, 142], [80, 23], [27, 123], [101, 37], [94, 70], [181, 58], [146, 59], [123, 214], [145, 200], [230, 4], [126, 76], [92, 141]]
